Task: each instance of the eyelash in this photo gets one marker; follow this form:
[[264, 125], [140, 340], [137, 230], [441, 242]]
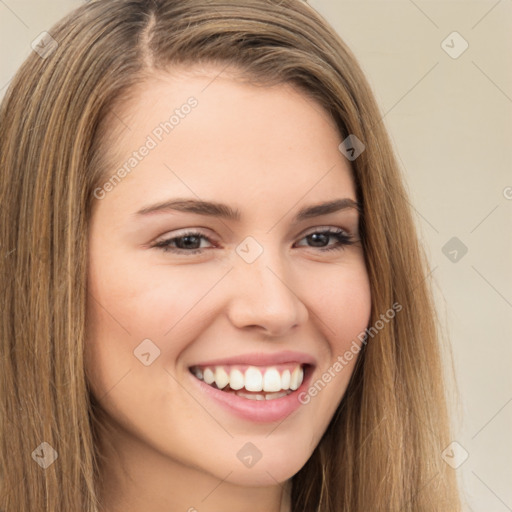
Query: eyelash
[[343, 237]]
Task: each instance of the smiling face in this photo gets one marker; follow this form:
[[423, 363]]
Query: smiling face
[[184, 300]]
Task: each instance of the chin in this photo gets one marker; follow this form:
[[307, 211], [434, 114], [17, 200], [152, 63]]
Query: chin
[[276, 465]]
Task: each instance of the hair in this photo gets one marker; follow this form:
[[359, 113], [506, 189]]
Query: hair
[[382, 449]]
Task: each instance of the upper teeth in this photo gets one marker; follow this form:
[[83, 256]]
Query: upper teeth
[[253, 379]]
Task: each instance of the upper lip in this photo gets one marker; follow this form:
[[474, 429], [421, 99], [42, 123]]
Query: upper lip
[[261, 359]]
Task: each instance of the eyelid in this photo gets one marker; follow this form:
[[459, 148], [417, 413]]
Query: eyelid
[[314, 229], [347, 238], [169, 235], [207, 232]]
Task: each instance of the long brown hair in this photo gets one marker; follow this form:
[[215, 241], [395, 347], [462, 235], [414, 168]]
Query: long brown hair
[[382, 450]]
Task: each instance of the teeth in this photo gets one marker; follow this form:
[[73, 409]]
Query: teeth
[[221, 377], [270, 381], [236, 379], [271, 396], [257, 396], [250, 396], [253, 379], [296, 378], [301, 377], [208, 376], [285, 379]]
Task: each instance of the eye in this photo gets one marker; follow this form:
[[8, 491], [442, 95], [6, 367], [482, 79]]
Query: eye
[[190, 241], [321, 237]]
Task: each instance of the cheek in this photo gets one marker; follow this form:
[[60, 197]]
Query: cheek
[[344, 307], [343, 312], [149, 300], [133, 311]]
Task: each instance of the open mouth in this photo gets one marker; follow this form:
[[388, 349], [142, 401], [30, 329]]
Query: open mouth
[[253, 382]]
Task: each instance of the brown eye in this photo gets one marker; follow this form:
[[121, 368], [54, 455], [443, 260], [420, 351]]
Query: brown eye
[[187, 243], [320, 239]]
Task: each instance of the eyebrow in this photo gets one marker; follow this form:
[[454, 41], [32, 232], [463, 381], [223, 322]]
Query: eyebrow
[[215, 209]]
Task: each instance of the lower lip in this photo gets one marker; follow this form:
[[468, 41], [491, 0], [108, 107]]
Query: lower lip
[[258, 411]]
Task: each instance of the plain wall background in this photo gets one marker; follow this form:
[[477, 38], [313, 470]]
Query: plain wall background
[[450, 120]]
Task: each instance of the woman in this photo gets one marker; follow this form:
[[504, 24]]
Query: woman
[[177, 331]]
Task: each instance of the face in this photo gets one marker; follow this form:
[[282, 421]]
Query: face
[[206, 332]]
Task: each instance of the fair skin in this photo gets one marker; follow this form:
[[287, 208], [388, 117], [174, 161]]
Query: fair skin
[[267, 152]]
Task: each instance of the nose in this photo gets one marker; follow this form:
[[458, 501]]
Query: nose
[[263, 297]]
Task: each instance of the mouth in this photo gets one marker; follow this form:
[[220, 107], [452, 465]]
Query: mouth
[[257, 387], [253, 382]]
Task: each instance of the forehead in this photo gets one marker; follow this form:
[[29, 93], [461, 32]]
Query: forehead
[[210, 134]]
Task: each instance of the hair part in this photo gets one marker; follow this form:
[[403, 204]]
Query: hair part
[[382, 448]]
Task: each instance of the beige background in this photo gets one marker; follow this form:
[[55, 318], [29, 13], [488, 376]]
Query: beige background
[[451, 123]]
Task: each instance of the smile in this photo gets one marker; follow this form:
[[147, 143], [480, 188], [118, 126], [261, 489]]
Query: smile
[[256, 387], [252, 382]]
